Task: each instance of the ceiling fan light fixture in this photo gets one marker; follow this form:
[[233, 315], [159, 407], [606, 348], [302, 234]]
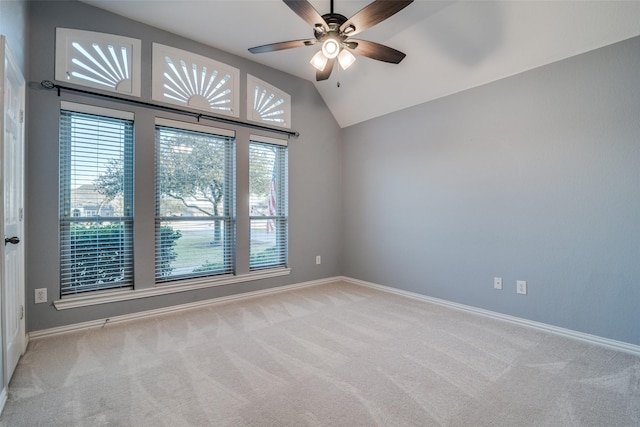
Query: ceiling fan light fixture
[[346, 59], [350, 29], [333, 32], [331, 48], [319, 61]]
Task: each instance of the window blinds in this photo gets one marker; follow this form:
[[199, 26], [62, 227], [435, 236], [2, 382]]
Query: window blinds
[[96, 202], [268, 190]]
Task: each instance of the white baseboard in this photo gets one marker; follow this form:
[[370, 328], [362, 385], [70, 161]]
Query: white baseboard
[[3, 399], [593, 339], [44, 333]]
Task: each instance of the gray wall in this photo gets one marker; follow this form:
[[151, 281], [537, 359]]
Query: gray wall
[[13, 25], [535, 177], [314, 167]]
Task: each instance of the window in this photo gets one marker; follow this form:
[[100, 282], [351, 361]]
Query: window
[[187, 79], [98, 60], [267, 104], [96, 199], [268, 190], [195, 180]]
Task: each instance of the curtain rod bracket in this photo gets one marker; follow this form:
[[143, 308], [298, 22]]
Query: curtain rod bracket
[[48, 84]]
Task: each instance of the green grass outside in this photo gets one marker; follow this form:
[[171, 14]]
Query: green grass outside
[[195, 247]]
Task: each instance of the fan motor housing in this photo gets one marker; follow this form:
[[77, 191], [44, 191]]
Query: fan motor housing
[[334, 19]]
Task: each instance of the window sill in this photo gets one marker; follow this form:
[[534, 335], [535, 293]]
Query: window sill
[[163, 289]]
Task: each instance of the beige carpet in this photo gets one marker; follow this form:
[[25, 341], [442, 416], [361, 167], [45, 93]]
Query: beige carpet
[[329, 355]]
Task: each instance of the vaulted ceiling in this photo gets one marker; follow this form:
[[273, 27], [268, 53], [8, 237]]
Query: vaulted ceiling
[[450, 45]]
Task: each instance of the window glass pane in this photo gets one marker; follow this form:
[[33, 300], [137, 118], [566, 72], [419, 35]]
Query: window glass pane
[[268, 205], [96, 202], [194, 203]]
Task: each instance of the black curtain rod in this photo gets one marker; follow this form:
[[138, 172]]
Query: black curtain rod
[[48, 84]]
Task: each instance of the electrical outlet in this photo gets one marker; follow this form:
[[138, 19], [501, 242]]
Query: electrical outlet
[[497, 282], [40, 295], [318, 259], [521, 287]]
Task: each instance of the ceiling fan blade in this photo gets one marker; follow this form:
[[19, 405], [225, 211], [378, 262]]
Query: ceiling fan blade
[[326, 72], [306, 11], [376, 51], [372, 14], [282, 45]]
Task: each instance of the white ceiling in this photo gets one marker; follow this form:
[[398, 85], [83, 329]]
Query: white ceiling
[[450, 45]]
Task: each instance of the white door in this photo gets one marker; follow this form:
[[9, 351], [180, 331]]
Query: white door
[[12, 100]]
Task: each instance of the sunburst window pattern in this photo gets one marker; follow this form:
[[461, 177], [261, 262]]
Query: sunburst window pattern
[[99, 60], [267, 104], [184, 78]]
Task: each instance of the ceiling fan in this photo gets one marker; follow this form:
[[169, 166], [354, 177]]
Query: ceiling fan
[[334, 32]]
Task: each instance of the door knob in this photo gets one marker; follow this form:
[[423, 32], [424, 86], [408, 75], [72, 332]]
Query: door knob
[[13, 240]]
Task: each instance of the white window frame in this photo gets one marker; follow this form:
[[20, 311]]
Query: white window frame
[[67, 216], [228, 214], [280, 218]]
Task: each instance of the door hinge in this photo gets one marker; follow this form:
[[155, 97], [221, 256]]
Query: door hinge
[[21, 214], [21, 116], [21, 312]]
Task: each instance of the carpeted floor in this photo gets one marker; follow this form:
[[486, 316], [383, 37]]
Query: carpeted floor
[[329, 355]]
